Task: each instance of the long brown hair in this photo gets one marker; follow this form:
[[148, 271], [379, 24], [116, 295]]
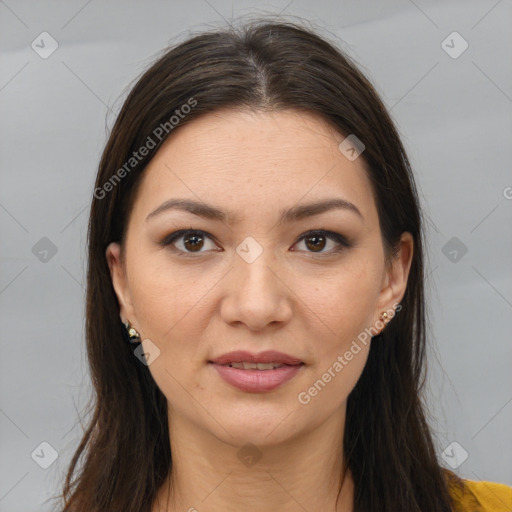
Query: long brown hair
[[124, 455]]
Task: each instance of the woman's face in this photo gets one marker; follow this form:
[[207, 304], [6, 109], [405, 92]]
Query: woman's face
[[263, 267]]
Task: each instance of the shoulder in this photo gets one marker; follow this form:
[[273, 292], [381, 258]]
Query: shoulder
[[475, 496]]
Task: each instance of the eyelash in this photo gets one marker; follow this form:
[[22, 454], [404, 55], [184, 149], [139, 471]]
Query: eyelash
[[331, 235]]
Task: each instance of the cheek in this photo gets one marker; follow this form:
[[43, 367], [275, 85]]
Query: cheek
[[345, 307], [333, 381], [168, 307], [345, 301], [167, 299]]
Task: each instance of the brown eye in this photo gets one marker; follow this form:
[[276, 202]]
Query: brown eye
[[189, 241], [193, 242], [317, 241]]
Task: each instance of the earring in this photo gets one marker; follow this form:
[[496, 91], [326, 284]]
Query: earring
[[133, 335], [384, 319]]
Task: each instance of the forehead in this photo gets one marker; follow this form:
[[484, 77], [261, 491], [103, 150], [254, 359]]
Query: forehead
[[247, 159]]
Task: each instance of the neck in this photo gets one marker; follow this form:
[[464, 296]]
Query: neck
[[303, 473]]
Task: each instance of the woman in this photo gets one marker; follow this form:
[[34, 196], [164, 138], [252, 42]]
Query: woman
[[255, 303]]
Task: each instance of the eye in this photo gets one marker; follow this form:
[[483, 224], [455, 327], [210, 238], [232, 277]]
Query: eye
[[316, 241], [192, 241], [189, 241]]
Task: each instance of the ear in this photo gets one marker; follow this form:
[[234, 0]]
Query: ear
[[396, 274], [119, 282]]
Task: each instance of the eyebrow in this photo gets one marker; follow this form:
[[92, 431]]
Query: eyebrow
[[293, 214]]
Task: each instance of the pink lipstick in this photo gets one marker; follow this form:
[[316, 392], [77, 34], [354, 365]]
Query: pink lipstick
[[256, 373]]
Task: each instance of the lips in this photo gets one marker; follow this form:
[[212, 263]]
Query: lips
[[257, 381], [249, 360], [256, 373]]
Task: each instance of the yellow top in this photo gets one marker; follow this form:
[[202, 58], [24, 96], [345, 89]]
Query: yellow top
[[481, 497]]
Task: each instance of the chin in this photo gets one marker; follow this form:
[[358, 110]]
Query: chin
[[260, 423]]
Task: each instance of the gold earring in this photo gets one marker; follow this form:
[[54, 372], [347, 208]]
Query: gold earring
[[384, 318], [133, 335]]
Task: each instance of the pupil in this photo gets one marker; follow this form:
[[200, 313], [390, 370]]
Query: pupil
[[316, 245], [196, 241]]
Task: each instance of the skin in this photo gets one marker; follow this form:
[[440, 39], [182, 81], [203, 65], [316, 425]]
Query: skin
[[309, 304]]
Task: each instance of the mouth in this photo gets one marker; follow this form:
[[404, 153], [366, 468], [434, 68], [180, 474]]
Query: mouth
[[255, 373], [245, 365], [260, 361]]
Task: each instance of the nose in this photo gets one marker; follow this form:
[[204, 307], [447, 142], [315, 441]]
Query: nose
[[256, 293]]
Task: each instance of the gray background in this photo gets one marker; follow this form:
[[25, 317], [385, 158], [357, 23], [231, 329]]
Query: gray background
[[453, 114]]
